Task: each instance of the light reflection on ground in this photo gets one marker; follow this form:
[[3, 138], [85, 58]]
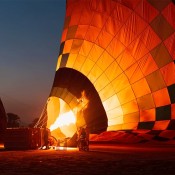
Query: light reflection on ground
[[61, 148], [66, 148]]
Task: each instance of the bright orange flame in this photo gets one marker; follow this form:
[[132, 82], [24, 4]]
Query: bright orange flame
[[64, 119]]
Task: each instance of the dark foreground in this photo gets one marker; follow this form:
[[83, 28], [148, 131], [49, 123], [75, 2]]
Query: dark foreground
[[140, 159]]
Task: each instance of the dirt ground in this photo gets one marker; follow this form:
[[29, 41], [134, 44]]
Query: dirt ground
[[101, 159]]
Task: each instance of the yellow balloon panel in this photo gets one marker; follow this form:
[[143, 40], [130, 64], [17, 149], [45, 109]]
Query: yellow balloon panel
[[85, 48], [53, 110], [106, 92], [114, 127], [95, 52], [105, 60], [79, 62], [94, 73], [120, 82], [113, 71], [71, 60], [126, 95], [130, 107], [116, 120], [101, 82], [115, 113], [87, 66], [111, 103]]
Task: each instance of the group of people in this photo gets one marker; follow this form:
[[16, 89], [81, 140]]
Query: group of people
[[82, 134]]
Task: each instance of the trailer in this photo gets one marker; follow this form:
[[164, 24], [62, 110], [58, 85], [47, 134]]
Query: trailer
[[23, 138]]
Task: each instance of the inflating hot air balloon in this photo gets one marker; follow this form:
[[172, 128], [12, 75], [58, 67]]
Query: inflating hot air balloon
[[115, 68]]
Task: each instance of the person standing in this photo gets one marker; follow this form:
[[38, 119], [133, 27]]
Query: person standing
[[46, 138]]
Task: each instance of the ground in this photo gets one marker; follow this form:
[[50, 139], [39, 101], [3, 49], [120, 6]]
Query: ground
[[135, 159]]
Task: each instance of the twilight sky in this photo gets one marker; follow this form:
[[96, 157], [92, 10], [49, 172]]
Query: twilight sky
[[30, 32]]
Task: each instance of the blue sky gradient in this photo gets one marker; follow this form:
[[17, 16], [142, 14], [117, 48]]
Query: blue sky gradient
[[30, 32]]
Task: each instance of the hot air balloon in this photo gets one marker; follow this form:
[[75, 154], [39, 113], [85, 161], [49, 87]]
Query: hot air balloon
[[3, 122], [115, 67]]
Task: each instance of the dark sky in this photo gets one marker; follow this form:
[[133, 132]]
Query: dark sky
[[30, 32]]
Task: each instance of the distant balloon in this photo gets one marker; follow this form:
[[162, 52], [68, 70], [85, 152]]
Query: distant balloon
[[3, 120]]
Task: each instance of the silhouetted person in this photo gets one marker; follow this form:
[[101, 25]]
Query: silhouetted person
[[46, 138], [83, 138]]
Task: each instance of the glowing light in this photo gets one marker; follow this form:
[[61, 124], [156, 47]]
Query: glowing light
[[66, 148], [1, 146], [64, 119]]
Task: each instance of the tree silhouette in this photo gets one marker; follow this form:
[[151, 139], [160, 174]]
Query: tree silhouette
[[13, 120]]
